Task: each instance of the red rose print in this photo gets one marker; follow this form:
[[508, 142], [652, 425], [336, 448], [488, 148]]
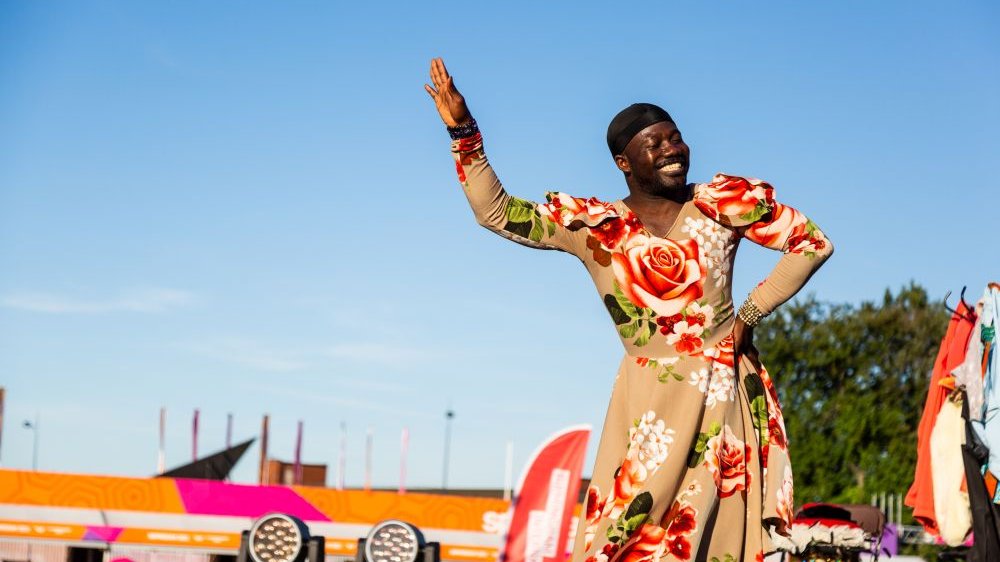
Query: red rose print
[[723, 352], [679, 547], [612, 232], [773, 233], [726, 457], [732, 196], [803, 241], [776, 433], [467, 150], [785, 500], [661, 274], [684, 522], [688, 343], [594, 503], [666, 323], [574, 212], [630, 478], [645, 545]]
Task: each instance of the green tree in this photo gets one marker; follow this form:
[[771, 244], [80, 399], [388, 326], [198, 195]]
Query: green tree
[[852, 381]]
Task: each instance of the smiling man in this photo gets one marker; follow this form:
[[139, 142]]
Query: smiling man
[[692, 462]]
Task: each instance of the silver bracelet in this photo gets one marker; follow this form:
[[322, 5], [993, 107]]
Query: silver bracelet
[[749, 313]]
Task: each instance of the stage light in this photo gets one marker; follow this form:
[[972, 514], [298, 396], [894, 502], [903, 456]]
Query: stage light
[[396, 541], [277, 537]]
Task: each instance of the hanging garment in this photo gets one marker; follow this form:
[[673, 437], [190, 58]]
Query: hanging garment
[[951, 501], [969, 375], [985, 513], [951, 353], [989, 428]]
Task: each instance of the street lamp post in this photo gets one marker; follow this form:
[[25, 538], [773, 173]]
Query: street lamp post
[[448, 415], [33, 426]]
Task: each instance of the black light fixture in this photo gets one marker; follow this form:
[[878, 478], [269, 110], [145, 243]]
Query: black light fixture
[[393, 540], [277, 537]]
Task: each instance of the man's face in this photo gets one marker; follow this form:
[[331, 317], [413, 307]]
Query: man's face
[[656, 158]]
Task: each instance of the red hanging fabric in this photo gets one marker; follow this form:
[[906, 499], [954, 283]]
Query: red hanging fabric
[[951, 353]]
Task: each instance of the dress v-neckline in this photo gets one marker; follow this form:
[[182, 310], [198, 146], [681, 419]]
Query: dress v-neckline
[[673, 224]]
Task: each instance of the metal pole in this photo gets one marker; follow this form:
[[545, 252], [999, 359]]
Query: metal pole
[[34, 454], [342, 463], [508, 476], [369, 442], [2, 393], [297, 466], [404, 445], [194, 436], [448, 415], [33, 426], [262, 475], [161, 455]]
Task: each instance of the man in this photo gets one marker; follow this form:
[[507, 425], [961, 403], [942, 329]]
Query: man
[[692, 461]]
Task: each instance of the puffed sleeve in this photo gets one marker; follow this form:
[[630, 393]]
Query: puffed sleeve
[[748, 205], [558, 224]]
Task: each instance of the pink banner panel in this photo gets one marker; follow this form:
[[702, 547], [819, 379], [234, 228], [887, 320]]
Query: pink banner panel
[[204, 497]]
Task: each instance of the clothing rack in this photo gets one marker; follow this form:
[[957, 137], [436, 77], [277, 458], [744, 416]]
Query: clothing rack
[[968, 315]]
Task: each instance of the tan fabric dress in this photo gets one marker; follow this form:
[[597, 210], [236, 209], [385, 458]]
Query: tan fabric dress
[[692, 462]]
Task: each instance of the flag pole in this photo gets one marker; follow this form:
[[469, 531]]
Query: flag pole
[[298, 456], [161, 455], [194, 436], [262, 475], [369, 438], [404, 446]]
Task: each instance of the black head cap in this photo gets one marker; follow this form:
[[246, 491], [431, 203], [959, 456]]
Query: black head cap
[[630, 121]]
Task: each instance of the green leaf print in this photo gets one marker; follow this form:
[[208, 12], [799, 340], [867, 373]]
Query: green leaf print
[[613, 535], [639, 506], [625, 304], [551, 224], [633, 523], [758, 211], [695, 456], [633, 517], [755, 386], [726, 558], [668, 373], [520, 210], [714, 429], [758, 409], [644, 334], [617, 314], [521, 229], [698, 451], [628, 330], [537, 231]]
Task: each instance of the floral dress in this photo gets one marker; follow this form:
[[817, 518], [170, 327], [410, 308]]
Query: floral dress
[[692, 461]]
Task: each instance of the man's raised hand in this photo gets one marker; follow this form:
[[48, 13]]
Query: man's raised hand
[[450, 104]]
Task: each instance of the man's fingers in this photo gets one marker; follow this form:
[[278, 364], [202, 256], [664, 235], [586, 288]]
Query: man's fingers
[[431, 91], [444, 69], [434, 74], [437, 74]]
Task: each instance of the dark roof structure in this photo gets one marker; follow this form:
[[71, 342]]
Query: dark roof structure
[[216, 466]]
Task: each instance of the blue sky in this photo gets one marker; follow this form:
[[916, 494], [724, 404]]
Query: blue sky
[[251, 208]]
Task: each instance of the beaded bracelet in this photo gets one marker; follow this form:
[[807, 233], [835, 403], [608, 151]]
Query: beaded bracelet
[[464, 131], [749, 313]]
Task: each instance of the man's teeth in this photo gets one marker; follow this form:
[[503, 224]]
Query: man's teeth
[[674, 167]]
